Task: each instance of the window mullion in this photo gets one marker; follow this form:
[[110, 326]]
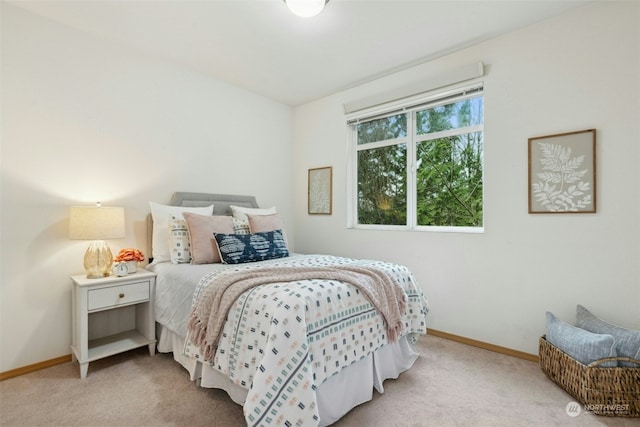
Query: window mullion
[[448, 133], [411, 171], [352, 178], [380, 144]]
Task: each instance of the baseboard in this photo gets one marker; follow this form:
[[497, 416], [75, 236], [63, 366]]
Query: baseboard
[[485, 346], [509, 352], [35, 367]]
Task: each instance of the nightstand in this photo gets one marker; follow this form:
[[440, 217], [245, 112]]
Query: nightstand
[[111, 315]]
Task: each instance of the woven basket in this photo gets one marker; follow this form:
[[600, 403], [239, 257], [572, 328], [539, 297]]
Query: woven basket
[[603, 391]]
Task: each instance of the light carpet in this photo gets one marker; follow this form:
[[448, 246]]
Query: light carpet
[[451, 384]]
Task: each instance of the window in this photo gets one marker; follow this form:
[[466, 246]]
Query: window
[[422, 167]]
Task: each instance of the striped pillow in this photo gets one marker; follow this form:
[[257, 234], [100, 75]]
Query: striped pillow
[[584, 346], [627, 340]]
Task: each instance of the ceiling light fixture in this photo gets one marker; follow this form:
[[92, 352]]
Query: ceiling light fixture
[[306, 8]]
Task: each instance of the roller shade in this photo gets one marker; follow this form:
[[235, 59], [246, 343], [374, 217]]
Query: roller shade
[[411, 95]]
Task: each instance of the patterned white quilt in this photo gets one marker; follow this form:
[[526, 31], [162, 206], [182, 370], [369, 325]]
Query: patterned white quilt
[[281, 340]]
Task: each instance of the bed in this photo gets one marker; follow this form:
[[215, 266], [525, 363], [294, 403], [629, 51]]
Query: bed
[[293, 345]]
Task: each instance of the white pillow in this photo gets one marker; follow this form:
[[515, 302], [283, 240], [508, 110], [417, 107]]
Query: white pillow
[[241, 213], [161, 214]]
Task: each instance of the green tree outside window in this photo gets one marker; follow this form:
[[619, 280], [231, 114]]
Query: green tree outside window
[[447, 175]]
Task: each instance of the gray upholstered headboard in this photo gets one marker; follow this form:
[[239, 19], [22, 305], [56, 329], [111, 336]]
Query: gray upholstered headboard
[[221, 202], [221, 205]]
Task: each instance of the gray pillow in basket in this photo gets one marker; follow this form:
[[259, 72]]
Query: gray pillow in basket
[[584, 346], [627, 340]]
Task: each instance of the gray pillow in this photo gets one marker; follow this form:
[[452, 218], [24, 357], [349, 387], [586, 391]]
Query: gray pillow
[[584, 346], [627, 340]]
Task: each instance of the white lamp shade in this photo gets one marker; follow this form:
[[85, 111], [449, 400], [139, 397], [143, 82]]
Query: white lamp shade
[[96, 223], [305, 8]]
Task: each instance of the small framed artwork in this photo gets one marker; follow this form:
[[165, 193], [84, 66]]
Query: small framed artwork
[[562, 173], [319, 191]]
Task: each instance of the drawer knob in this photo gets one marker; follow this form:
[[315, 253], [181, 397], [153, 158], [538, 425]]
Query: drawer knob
[[121, 296]]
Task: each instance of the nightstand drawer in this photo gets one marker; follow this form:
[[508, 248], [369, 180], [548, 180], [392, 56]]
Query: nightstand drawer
[[114, 296]]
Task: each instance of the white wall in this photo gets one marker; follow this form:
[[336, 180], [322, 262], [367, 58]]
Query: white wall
[[84, 120], [575, 72]]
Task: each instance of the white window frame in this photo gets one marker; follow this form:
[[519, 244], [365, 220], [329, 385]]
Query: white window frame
[[411, 140]]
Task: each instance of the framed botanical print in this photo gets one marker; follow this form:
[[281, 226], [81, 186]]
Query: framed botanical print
[[562, 173], [319, 191]]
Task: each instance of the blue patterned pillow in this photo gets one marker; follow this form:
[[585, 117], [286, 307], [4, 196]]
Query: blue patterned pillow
[[584, 346], [627, 340], [240, 248]]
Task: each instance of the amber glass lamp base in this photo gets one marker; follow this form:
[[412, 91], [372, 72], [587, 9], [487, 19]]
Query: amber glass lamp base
[[98, 260]]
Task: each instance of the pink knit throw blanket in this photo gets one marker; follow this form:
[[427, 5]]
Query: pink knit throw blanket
[[211, 308]]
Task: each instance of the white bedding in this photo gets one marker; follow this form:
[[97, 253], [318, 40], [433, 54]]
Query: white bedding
[[335, 397], [366, 368], [175, 286]]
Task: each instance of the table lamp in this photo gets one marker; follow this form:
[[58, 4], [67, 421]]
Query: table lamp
[[96, 223]]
